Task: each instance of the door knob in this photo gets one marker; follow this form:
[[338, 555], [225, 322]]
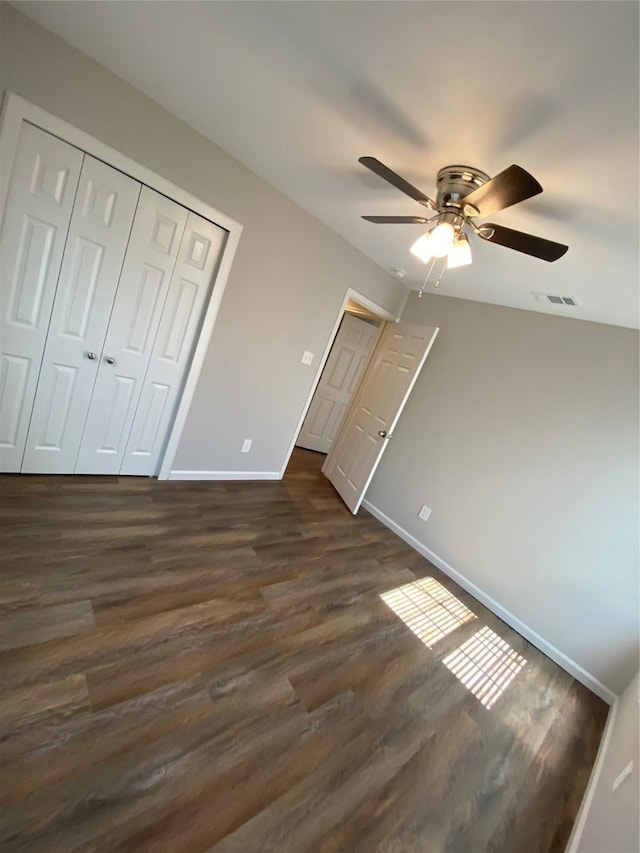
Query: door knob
[[110, 359], [382, 433], [91, 356]]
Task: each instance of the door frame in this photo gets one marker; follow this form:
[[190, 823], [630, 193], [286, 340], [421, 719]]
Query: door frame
[[366, 302], [15, 110]]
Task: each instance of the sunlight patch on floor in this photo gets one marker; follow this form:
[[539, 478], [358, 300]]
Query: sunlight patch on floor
[[485, 664], [428, 609]]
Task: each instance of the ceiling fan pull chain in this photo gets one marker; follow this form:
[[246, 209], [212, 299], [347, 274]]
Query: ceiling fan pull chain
[[424, 284], [442, 271], [434, 261]]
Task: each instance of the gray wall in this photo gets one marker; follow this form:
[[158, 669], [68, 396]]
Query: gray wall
[[612, 818], [522, 436], [288, 279]]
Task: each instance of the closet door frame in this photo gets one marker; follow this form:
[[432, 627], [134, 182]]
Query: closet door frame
[[15, 110]]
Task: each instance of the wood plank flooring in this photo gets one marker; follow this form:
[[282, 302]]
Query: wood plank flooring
[[210, 666]]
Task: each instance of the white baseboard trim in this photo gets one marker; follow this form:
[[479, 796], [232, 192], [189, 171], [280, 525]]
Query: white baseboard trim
[[528, 633], [585, 805], [224, 475]]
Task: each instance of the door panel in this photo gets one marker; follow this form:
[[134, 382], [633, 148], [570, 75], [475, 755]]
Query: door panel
[[93, 258], [146, 430], [115, 416], [340, 376], [191, 283], [144, 284], [36, 221], [383, 392], [59, 391]]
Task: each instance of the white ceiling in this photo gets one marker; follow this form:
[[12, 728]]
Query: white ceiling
[[299, 90]]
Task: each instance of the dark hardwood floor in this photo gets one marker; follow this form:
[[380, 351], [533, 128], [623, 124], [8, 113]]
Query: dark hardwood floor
[[210, 666]]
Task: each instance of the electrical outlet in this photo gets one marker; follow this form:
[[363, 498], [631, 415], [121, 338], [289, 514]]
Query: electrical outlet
[[246, 445], [424, 513], [307, 357], [622, 776]]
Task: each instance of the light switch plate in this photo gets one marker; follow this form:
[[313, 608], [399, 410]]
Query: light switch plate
[[424, 513], [307, 357]]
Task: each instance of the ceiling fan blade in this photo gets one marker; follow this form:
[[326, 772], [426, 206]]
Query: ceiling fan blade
[[397, 220], [513, 185], [538, 247], [399, 183]]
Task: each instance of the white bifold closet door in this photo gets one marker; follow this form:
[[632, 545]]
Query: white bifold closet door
[[144, 284], [96, 245], [156, 318], [104, 287], [35, 224], [179, 328]]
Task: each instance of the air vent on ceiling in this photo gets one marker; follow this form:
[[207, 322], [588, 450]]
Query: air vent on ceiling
[[556, 300]]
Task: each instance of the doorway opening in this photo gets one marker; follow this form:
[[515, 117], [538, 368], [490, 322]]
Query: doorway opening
[[360, 391], [350, 351], [356, 331]]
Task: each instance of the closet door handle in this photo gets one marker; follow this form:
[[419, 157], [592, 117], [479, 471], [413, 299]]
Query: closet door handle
[[110, 359], [91, 356]]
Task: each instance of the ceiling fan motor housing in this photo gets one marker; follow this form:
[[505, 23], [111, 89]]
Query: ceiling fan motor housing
[[456, 182]]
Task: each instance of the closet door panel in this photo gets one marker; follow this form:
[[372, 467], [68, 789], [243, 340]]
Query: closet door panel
[[197, 263], [142, 291], [98, 236], [36, 221]]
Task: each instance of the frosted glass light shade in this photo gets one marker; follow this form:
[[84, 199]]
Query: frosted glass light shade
[[441, 239], [460, 253], [422, 248]]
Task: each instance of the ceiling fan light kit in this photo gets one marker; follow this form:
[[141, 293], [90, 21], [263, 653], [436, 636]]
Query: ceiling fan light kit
[[441, 239], [465, 193], [422, 248], [460, 252]]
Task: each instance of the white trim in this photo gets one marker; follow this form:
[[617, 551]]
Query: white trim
[[15, 110], [495, 607], [585, 805], [10, 127], [224, 475], [363, 300], [367, 303]]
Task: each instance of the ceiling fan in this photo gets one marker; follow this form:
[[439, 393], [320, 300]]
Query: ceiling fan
[[464, 194]]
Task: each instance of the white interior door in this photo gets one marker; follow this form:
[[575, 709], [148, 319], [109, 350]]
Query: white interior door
[[375, 409], [37, 215], [96, 245], [142, 291], [198, 258], [344, 366]]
